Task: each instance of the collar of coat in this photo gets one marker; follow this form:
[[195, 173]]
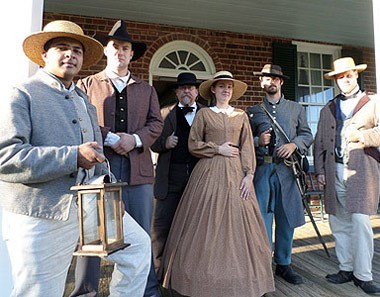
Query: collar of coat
[[103, 76], [363, 101]]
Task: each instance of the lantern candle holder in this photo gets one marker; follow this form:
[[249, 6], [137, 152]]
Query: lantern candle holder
[[100, 213]]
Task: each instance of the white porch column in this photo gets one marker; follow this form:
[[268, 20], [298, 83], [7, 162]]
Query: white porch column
[[376, 29], [18, 20]]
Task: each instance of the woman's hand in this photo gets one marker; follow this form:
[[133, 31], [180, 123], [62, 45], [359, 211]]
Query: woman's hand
[[246, 187], [229, 149]]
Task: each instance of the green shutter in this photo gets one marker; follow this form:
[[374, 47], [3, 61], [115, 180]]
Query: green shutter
[[285, 55]]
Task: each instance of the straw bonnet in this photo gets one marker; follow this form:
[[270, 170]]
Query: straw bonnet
[[33, 45], [239, 86], [271, 70], [342, 65], [119, 32]]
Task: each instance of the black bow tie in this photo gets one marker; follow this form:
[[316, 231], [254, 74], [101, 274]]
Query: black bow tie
[[343, 97], [187, 109]]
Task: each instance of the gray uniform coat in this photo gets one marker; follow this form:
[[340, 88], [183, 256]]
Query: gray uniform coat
[[39, 139], [363, 168], [292, 118]]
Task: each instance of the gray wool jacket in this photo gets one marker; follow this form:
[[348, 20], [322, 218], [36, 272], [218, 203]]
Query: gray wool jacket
[[39, 139]]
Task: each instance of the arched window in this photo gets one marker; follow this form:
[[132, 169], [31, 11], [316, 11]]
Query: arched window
[[178, 56], [173, 58]]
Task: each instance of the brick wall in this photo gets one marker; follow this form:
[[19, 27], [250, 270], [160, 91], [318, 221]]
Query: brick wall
[[240, 53]]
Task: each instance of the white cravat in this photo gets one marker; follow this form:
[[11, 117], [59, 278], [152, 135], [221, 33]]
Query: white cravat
[[190, 115]]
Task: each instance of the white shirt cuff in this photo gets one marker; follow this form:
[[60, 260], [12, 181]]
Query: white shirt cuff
[[138, 140]]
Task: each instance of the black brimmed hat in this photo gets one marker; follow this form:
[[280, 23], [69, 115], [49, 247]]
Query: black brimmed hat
[[186, 78], [271, 70], [119, 32]]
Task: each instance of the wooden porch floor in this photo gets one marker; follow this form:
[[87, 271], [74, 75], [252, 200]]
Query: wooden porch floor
[[309, 259]]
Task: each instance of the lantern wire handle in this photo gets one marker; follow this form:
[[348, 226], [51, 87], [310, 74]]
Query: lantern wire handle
[[112, 177]]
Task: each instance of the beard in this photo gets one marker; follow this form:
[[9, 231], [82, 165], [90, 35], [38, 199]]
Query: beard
[[186, 100], [270, 89]]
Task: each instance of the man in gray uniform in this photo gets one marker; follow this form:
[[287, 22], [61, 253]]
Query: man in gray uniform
[[50, 141], [275, 184]]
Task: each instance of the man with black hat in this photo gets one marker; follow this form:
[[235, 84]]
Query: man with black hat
[[130, 121], [275, 184], [175, 163], [346, 160]]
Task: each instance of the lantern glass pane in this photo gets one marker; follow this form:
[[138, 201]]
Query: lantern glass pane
[[110, 206], [90, 218]]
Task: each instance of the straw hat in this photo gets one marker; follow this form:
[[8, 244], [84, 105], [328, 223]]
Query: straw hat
[[119, 32], [239, 86], [271, 70], [33, 45], [342, 65]]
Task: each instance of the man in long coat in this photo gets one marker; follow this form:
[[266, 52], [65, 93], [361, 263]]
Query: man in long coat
[[275, 184], [130, 121], [175, 163], [346, 160]]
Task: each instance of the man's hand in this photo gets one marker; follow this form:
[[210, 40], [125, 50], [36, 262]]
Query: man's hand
[[264, 138], [171, 141], [228, 149], [286, 150], [321, 179], [125, 144], [89, 154], [354, 136]]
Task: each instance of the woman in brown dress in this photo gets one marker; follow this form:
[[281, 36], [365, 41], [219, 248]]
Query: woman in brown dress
[[217, 245]]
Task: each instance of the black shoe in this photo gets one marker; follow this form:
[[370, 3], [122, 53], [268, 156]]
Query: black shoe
[[368, 287], [288, 274], [341, 277]]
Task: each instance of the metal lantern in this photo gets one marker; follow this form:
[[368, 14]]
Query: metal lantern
[[100, 213]]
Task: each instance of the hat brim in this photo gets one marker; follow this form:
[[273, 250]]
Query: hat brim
[[33, 47], [186, 83], [138, 48], [271, 74], [331, 74], [239, 88]]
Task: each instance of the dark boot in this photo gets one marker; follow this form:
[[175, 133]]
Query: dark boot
[[288, 274], [340, 278], [368, 287]]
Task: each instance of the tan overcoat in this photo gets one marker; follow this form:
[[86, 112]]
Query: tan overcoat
[[363, 168]]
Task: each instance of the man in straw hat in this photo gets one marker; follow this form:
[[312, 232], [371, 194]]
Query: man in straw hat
[[275, 184], [130, 121], [175, 163], [50, 141], [346, 160]]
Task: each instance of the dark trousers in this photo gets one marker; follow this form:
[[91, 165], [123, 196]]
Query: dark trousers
[[165, 209], [138, 202]]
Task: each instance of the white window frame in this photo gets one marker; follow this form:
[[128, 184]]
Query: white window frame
[[177, 45], [334, 51]]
